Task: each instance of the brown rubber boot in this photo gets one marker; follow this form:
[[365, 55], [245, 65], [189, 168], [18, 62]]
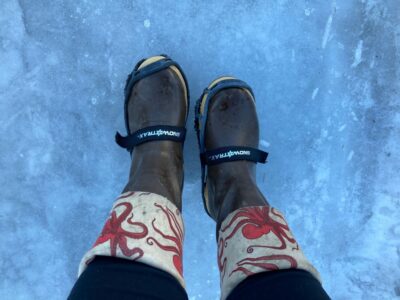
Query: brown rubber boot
[[252, 236], [157, 166], [232, 120]]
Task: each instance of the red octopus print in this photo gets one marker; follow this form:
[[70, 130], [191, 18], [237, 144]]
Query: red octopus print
[[118, 236], [263, 262], [221, 262], [255, 222], [176, 238]]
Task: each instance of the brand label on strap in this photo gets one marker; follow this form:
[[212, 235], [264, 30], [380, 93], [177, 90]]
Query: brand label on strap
[[229, 154], [159, 132]]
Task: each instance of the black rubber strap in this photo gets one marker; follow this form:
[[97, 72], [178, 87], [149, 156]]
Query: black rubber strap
[[233, 153], [152, 133]]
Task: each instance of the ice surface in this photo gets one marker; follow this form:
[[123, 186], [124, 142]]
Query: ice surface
[[326, 78]]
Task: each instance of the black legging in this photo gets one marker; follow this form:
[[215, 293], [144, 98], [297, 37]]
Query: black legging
[[115, 278]]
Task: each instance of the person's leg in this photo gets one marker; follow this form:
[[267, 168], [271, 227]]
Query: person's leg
[[253, 238], [138, 255], [116, 278]]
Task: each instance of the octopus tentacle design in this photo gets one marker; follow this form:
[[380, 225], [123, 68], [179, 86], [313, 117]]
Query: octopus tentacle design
[[113, 231], [176, 238], [126, 196], [263, 262], [255, 222], [221, 262]]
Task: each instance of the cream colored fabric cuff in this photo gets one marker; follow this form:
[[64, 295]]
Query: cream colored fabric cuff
[[143, 227], [253, 240]]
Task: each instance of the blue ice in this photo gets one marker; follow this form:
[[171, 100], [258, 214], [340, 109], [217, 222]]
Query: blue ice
[[326, 78]]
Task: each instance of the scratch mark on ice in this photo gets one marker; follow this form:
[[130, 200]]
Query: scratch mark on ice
[[314, 93], [358, 54], [327, 31], [350, 156], [264, 143], [6, 123]]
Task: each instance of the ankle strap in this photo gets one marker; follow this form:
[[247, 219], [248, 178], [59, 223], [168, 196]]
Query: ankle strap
[[233, 153], [151, 133]]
